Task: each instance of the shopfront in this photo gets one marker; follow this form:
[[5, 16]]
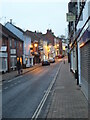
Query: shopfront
[[84, 49], [13, 59], [3, 59]]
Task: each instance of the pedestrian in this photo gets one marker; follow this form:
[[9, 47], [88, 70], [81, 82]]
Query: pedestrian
[[19, 67]]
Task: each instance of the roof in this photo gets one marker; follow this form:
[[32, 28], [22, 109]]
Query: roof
[[50, 32], [15, 27], [36, 36], [31, 34], [4, 29]]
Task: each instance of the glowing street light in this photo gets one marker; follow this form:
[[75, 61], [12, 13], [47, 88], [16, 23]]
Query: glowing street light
[[63, 47], [57, 45], [35, 45], [31, 46]]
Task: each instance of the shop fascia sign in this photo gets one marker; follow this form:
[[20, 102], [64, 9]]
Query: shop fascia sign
[[70, 17]]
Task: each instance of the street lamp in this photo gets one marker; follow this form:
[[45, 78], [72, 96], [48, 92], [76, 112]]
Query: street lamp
[[57, 45], [35, 45]]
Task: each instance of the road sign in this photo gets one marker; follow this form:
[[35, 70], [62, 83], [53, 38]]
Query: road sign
[[70, 17]]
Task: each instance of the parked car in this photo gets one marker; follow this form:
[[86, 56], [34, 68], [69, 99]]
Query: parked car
[[45, 62], [51, 60]]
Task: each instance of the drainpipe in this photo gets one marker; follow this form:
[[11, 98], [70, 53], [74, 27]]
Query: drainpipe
[[77, 72], [77, 65]]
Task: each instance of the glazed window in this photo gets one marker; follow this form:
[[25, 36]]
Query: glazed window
[[15, 43], [10, 42]]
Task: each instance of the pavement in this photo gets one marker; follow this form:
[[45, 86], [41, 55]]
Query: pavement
[[13, 74], [67, 99]]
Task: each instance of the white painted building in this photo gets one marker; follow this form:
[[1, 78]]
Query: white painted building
[[43, 49], [3, 59], [64, 48], [52, 51], [27, 59]]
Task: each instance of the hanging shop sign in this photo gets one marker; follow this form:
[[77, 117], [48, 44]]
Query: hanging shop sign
[[70, 17]]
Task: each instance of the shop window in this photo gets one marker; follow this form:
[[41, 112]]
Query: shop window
[[13, 61], [4, 63], [21, 60]]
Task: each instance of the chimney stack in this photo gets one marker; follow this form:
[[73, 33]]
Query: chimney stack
[[11, 21]]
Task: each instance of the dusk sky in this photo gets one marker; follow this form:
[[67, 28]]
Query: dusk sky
[[36, 14]]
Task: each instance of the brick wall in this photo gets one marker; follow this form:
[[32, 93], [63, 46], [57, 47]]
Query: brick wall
[[50, 36], [19, 48]]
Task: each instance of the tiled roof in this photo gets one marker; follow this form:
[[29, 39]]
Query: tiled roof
[[16, 27], [36, 36], [4, 29]]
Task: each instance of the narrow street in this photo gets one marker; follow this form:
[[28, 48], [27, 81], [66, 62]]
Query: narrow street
[[21, 96], [45, 60]]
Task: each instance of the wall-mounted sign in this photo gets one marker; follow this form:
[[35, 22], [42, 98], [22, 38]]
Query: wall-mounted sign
[[13, 51], [70, 17], [3, 48]]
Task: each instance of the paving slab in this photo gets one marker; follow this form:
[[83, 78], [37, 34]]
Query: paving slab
[[67, 100]]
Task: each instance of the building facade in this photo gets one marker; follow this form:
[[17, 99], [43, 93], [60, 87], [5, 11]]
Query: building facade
[[11, 49], [79, 43], [55, 43], [27, 59], [83, 45]]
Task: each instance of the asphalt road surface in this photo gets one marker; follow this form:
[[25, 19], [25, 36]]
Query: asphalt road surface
[[21, 96]]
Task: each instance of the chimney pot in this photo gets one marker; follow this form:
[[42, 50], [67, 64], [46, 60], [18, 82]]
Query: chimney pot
[[11, 21]]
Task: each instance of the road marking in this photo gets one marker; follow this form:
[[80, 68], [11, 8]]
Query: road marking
[[40, 106], [15, 78], [9, 80], [6, 88]]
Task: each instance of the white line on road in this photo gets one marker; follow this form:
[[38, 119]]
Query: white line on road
[[6, 88], [39, 108], [9, 80], [15, 78]]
